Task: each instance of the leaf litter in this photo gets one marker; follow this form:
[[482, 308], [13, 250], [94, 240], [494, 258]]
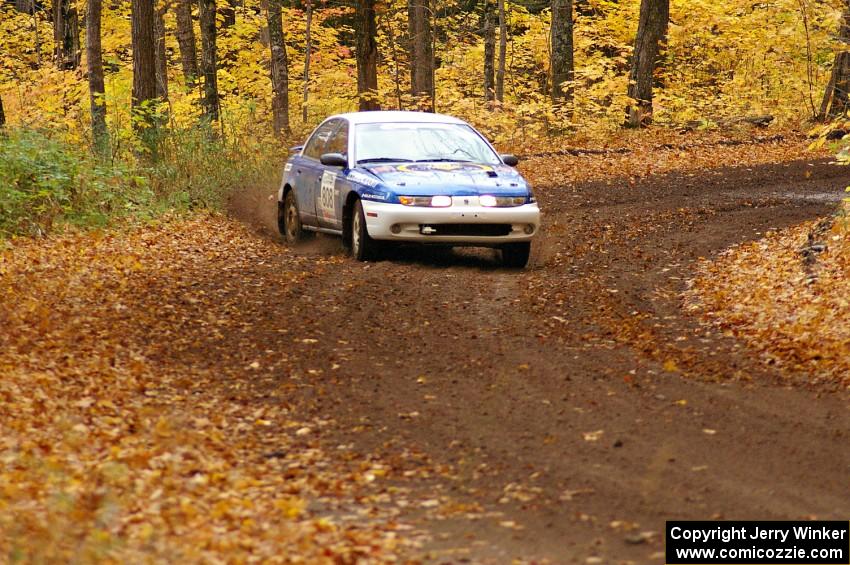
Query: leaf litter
[[787, 295], [638, 155], [120, 442]]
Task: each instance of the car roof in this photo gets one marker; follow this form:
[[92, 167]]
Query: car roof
[[383, 117]]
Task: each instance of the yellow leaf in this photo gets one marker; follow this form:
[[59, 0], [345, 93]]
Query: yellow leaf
[[162, 428], [291, 507]]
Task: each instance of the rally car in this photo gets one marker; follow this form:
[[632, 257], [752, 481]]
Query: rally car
[[407, 177]]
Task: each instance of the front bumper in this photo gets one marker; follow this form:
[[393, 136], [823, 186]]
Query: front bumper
[[415, 224]]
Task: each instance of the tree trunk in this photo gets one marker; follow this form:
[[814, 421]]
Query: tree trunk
[[308, 53], [388, 29], [28, 7], [209, 64], [66, 35], [279, 69], [228, 14], [160, 54], [25, 6], [2, 114], [421, 53], [649, 45], [503, 52], [37, 36], [94, 57], [367, 56], [489, 52], [562, 63], [835, 99], [186, 41], [144, 59], [263, 36]]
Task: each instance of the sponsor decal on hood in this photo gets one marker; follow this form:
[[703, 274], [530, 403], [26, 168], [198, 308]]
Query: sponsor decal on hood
[[456, 167], [447, 175]]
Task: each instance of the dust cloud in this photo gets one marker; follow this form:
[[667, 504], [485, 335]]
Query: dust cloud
[[256, 207]]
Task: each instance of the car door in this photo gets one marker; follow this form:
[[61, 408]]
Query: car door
[[308, 172], [332, 180]]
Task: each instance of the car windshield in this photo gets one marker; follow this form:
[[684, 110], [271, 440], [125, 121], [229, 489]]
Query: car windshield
[[421, 142]]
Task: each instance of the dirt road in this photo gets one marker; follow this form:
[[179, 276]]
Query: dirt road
[[565, 412]]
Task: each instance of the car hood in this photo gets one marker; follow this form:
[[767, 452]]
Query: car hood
[[457, 179]]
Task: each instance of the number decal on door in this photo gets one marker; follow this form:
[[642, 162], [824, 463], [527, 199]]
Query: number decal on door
[[327, 199]]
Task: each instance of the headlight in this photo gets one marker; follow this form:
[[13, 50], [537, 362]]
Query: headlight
[[433, 201], [488, 200], [491, 201], [441, 201]]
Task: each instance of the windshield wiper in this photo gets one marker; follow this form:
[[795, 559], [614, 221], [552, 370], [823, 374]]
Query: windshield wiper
[[385, 160], [443, 160]]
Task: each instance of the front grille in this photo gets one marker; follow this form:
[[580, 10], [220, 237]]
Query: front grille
[[474, 230]]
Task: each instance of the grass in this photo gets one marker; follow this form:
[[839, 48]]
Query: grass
[[47, 183]]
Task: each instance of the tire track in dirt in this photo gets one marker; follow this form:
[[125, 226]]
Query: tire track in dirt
[[572, 399]]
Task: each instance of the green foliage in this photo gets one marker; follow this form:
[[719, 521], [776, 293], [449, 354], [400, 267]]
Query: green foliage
[[201, 167], [46, 182]]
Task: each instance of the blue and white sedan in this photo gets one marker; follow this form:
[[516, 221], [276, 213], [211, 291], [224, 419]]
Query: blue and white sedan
[[377, 178]]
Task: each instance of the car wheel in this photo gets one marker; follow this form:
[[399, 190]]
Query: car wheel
[[363, 247], [515, 255], [289, 221]]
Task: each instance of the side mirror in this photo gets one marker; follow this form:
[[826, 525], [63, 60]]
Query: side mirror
[[334, 160], [510, 160]]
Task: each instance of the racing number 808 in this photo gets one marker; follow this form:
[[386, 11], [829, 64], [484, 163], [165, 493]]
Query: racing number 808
[[326, 196]]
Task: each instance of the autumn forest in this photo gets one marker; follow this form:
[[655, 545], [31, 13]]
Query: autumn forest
[[182, 382], [546, 68]]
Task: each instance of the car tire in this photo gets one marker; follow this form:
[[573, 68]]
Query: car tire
[[289, 221], [363, 247], [515, 255]]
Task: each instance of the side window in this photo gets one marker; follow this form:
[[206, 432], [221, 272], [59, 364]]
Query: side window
[[338, 143], [316, 145]]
